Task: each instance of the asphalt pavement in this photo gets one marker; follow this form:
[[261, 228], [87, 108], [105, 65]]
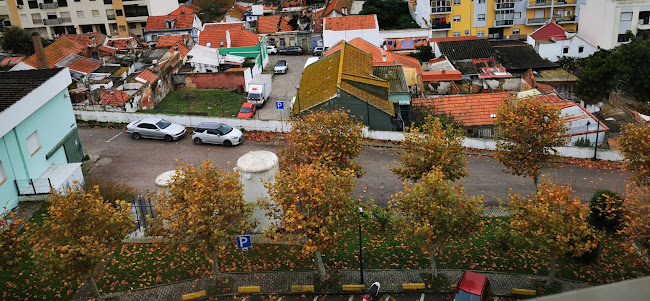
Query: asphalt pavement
[[139, 162], [283, 86]]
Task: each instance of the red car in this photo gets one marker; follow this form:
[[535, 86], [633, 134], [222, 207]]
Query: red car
[[472, 287], [247, 110]]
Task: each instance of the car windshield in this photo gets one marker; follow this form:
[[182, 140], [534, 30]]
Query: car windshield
[[245, 110], [462, 295], [224, 129], [163, 124], [281, 63], [253, 95]]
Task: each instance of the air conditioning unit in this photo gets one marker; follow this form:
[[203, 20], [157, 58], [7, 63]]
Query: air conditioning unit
[[19, 6]]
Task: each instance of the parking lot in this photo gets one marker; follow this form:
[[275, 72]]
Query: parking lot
[[284, 86]]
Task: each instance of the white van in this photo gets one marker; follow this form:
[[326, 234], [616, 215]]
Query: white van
[[310, 61]]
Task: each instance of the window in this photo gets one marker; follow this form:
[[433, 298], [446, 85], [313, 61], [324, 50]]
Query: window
[[480, 33], [565, 50], [36, 18], [518, 15], [456, 34], [110, 14], [23, 18], [80, 14], [623, 38], [456, 18], [481, 17], [119, 12], [515, 31], [95, 13], [33, 143], [481, 1], [122, 28], [626, 16], [3, 175], [456, 2], [132, 25], [581, 49]]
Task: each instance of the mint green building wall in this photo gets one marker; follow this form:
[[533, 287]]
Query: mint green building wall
[[8, 191]]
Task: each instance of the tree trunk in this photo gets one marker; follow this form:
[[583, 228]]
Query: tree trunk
[[536, 181], [551, 268], [215, 264], [432, 260], [320, 266], [94, 288]]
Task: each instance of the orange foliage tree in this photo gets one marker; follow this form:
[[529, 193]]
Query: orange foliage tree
[[202, 209], [637, 216], [635, 148], [530, 129], [79, 230], [312, 207], [331, 138], [429, 147], [435, 211], [10, 241], [552, 220]]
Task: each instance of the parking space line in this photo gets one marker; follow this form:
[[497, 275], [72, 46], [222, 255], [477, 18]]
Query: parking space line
[[316, 298], [351, 297], [109, 140], [279, 299], [422, 297]]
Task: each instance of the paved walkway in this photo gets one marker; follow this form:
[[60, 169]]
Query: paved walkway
[[281, 282]]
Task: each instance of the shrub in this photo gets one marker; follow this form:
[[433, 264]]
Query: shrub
[[606, 210], [382, 215], [582, 142], [502, 234], [110, 190]]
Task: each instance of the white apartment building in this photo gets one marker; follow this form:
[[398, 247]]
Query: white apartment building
[[115, 18], [603, 23]]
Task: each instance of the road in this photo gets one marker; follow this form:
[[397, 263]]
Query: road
[[348, 297], [139, 162], [284, 86]]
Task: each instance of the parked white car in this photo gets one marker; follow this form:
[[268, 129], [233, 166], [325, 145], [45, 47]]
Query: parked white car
[[216, 133], [156, 128], [271, 50], [281, 67]]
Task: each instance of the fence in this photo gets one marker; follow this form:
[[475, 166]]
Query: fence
[[33, 186], [143, 211]]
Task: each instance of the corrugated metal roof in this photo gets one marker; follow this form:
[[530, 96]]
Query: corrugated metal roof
[[395, 77]]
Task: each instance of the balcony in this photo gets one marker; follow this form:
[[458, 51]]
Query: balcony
[[440, 26], [643, 26], [548, 3], [55, 21], [110, 17], [564, 3], [566, 20], [48, 5], [536, 21], [440, 10], [503, 23], [504, 5]]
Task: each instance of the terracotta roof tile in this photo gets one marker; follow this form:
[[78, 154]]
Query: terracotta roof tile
[[147, 76], [443, 75], [84, 65], [294, 3], [57, 51], [85, 38], [11, 61], [270, 24], [108, 49], [337, 5], [168, 41], [547, 31], [350, 22], [378, 55], [183, 17], [471, 110], [224, 26], [238, 38], [317, 21], [113, 98], [181, 48]]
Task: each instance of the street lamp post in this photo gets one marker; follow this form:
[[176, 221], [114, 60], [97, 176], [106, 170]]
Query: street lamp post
[[587, 133], [360, 245], [596, 142]]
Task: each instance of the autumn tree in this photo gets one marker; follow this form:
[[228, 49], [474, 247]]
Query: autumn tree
[[637, 152], [202, 209], [637, 214], [435, 212], [331, 138], [11, 250], [530, 130], [79, 230], [553, 221], [312, 207], [430, 147]]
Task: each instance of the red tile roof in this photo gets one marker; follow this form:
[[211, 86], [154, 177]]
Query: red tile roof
[[547, 31], [181, 48], [449, 39], [238, 38], [378, 55], [224, 26], [473, 109], [337, 5], [113, 98], [85, 38], [84, 65], [57, 51], [11, 61], [350, 22], [147, 76], [120, 43], [269, 24], [183, 17], [108, 49], [544, 88], [294, 3], [444, 75]]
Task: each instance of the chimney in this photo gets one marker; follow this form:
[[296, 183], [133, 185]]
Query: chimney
[[227, 38], [41, 60], [383, 55]]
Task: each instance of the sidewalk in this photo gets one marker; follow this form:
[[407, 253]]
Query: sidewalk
[[281, 282]]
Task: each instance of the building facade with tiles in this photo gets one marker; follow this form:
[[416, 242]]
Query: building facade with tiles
[[115, 18]]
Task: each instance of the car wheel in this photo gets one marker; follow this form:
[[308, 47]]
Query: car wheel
[[136, 135], [169, 138], [227, 143], [197, 141]]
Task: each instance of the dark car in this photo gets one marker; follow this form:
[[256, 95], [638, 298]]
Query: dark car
[[296, 50], [472, 287]]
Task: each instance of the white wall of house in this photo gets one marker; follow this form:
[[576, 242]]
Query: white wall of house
[[162, 7], [330, 37], [422, 13], [600, 21], [405, 33], [554, 51]]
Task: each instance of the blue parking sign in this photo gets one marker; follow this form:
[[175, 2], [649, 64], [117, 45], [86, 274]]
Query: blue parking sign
[[244, 242], [279, 105], [466, 31]]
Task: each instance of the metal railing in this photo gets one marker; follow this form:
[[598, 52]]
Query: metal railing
[[498, 23], [143, 211], [536, 21], [55, 21], [33, 186], [441, 10], [440, 25], [48, 5], [499, 6]]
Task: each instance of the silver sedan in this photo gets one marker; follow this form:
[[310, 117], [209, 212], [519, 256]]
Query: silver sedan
[[155, 128]]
